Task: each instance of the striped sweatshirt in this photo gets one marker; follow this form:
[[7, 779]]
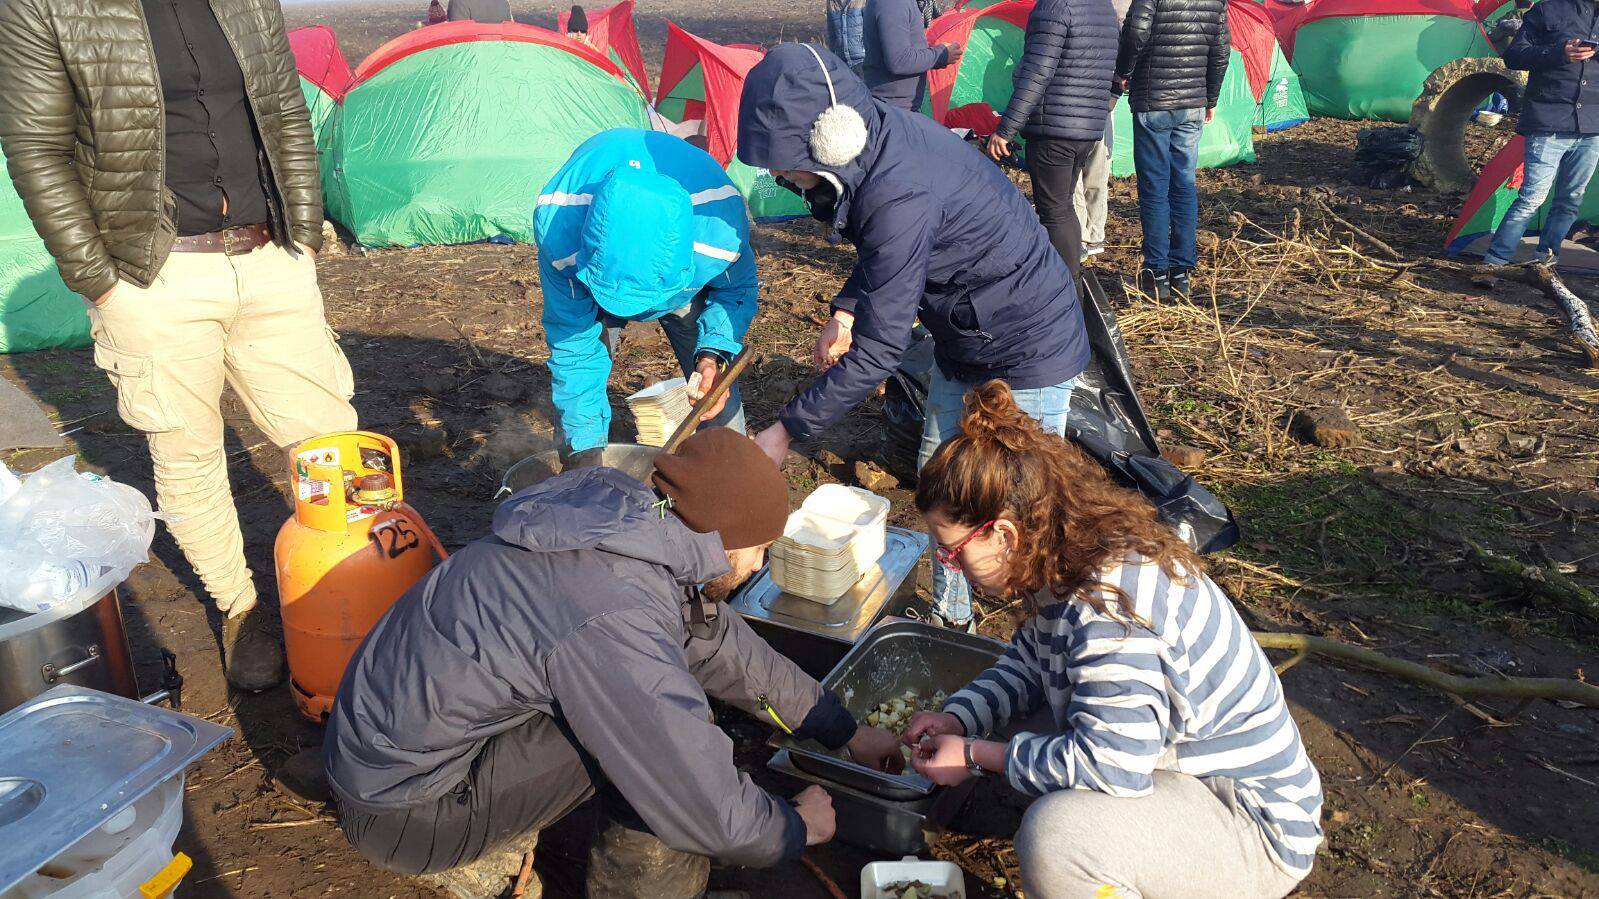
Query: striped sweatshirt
[[1191, 693]]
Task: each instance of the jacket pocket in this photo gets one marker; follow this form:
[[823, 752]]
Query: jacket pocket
[[139, 398], [339, 374]]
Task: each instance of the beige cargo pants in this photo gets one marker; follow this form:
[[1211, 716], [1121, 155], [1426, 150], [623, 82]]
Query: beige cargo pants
[[253, 321]]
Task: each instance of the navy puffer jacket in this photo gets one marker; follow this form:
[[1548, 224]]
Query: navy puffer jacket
[[1174, 53], [940, 234], [1560, 97], [1063, 83]]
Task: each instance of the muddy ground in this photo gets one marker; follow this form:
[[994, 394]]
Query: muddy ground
[[1474, 423]]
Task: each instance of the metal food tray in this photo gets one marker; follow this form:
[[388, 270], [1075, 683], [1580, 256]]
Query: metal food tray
[[895, 656], [850, 616]]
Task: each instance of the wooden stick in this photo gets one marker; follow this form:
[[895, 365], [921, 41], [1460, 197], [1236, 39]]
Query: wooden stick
[[723, 384], [1381, 245], [523, 876], [1579, 320], [821, 876], [1544, 586], [1552, 688]]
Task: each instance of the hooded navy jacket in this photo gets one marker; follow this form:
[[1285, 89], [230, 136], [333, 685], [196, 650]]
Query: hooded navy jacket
[[578, 607], [1559, 97], [940, 234]]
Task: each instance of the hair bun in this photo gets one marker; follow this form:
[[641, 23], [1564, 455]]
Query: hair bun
[[992, 413]]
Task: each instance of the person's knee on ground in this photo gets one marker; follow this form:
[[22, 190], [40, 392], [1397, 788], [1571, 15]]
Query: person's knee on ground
[[1062, 845]]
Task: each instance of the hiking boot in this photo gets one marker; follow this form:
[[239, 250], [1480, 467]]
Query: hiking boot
[[1178, 279], [1155, 284], [252, 655]]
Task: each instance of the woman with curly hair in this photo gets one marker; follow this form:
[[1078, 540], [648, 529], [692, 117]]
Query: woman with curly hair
[[1168, 764]]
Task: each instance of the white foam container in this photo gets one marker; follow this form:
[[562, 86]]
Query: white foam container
[[114, 861], [862, 509], [944, 877], [837, 535]]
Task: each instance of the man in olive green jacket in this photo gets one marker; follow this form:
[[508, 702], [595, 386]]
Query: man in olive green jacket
[[163, 151]]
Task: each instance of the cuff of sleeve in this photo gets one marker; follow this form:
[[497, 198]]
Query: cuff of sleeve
[[842, 303], [793, 832], [722, 355], [964, 715], [311, 238], [828, 723], [796, 430], [1018, 773]]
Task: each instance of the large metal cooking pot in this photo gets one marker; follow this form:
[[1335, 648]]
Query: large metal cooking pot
[[632, 459], [86, 646]]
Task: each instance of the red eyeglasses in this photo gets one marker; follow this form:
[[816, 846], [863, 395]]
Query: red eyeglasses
[[950, 555]]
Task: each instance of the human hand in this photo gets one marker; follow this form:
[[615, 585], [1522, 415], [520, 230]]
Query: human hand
[[1111, 103], [815, 808], [942, 760], [834, 341], [1578, 51], [998, 148], [932, 724], [774, 443], [877, 749], [1210, 114], [706, 371], [956, 51], [101, 300]]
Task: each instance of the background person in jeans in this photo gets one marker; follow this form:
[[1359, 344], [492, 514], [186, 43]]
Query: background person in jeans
[[1172, 60], [1560, 120], [175, 183], [1091, 199], [1062, 92], [941, 235]]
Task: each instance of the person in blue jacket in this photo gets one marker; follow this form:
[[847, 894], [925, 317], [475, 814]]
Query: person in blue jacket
[[941, 235], [641, 226]]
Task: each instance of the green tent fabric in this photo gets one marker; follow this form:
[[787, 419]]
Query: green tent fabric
[[37, 311], [1368, 59], [1282, 104], [1228, 139], [449, 132], [321, 107]]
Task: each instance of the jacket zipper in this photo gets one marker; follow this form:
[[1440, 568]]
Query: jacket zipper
[[766, 706]]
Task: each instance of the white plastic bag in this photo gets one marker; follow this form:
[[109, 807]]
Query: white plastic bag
[[62, 533]]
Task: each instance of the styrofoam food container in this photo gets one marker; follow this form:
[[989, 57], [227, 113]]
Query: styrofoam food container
[[825, 590], [658, 392], [114, 861], [945, 877], [861, 509]]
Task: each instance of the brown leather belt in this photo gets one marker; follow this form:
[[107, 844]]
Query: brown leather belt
[[230, 241]]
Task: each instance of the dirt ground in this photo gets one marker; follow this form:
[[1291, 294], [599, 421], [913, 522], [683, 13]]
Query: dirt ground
[[1474, 425]]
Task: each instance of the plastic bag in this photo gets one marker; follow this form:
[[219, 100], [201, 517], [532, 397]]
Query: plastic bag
[[63, 534]]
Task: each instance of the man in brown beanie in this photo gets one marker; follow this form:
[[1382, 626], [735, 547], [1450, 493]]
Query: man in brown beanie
[[571, 653]]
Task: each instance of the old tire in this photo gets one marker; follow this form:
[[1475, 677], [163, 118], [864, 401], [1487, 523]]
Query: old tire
[[1451, 94]]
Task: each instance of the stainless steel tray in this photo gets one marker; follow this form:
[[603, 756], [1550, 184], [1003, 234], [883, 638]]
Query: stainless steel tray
[[854, 612], [72, 758], [895, 656]]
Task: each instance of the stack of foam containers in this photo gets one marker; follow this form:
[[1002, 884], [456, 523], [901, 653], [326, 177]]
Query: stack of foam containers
[[658, 409], [834, 538]]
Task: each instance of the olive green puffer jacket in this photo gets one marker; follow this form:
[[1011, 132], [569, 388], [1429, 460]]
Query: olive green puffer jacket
[[83, 127]]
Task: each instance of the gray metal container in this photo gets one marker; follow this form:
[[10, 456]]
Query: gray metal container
[[633, 459], [88, 648], [893, 827]]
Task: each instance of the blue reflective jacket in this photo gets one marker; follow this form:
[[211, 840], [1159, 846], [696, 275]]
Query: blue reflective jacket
[[634, 225]]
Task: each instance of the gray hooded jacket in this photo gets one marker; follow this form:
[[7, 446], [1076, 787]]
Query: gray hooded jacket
[[578, 607]]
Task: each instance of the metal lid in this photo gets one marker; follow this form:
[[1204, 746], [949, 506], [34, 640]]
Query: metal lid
[[72, 758]]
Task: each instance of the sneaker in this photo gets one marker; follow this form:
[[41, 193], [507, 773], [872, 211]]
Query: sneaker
[[1178, 279], [1092, 249], [252, 655], [1155, 284]]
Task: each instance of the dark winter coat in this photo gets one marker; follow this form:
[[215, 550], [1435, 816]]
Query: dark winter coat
[[577, 608], [940, 234], [1174, 53], [897, 55], [1559, 95], [84, 132], [1063, 82], [491, 12]]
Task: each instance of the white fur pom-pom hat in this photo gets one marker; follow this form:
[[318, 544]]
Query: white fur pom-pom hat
[[839, 134]]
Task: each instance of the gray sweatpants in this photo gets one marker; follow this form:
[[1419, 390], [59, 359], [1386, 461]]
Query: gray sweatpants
[[1092, 196], [1185, 840]]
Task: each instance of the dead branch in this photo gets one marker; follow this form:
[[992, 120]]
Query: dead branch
[[1543, 585], [1551, 688], [1377, 242], [822, 878], [1578, 318]]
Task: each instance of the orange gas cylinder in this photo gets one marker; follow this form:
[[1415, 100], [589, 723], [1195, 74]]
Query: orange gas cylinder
[[348, 553]]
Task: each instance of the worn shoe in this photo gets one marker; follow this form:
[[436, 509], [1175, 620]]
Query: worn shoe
[[252, 655], [492, 875], [1092, 249], [1178, 279], [1155, 284]]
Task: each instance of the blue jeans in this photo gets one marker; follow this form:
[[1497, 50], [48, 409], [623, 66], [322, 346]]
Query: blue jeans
[[1166, 154], [952, 596], [1563, 161], [683, 333]]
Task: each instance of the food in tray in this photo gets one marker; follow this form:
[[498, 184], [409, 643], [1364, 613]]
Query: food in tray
[[895, 713], [913, 889]]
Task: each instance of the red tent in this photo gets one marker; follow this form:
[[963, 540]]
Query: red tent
[[467, 31], [612, 33], [722, 70], [1253, 37], [317, 56], [956, 28]]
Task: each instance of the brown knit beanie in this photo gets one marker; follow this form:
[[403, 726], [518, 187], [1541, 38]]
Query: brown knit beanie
[[719, 480]]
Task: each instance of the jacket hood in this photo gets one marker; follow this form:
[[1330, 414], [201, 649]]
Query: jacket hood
[[604, 509], [783, 96], [637, 251]]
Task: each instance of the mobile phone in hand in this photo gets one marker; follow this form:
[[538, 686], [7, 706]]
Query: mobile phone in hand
[[1588, 44]]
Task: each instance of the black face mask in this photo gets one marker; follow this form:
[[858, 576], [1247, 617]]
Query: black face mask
[[821, 199]]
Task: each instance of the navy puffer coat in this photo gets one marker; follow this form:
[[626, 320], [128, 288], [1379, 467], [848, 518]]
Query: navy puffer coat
[[940, 234], [1063, 83]]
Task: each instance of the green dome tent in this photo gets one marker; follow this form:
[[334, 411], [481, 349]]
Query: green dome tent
[[1280, 99], [1368, 59], [448, 132], [37, 311], [699, 92], [324, 75], [973, 93]]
